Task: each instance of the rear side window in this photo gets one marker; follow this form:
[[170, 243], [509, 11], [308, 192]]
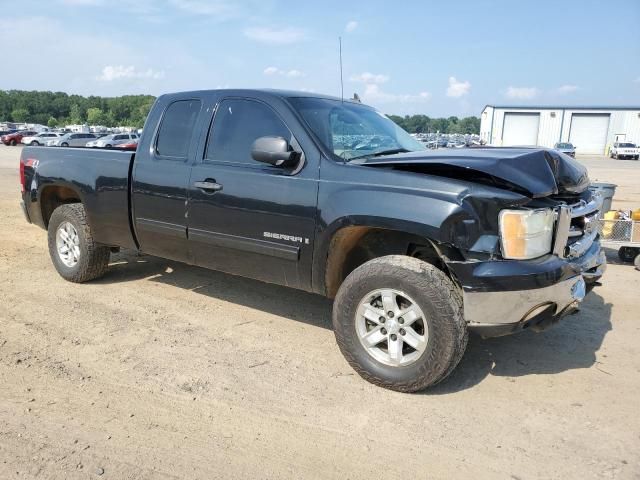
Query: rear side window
[[176, 128], [237, 124]]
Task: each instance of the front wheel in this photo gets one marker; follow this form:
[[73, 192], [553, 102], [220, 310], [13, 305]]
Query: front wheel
[[64, 144], [399, 323], [34, 144], [13, 143], [73, 250]]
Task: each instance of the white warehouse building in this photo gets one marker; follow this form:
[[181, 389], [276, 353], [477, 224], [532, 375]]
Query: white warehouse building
[[590, 129]]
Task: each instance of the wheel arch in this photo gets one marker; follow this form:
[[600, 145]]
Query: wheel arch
[[53, 196], [350, 243]]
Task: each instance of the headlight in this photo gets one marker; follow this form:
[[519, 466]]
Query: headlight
[[526, 234]]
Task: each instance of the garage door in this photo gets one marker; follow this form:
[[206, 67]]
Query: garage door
[[520, 129], [589, 133]]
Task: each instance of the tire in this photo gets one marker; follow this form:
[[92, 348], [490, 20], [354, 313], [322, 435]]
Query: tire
[[93, 259], [443, 322], [12, 142], [628, 254], [34, 144], [107, 146], [64, 144]]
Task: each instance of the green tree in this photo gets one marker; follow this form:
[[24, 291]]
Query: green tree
[[20, 115], [74, 114], [95, 116], [52, 122]]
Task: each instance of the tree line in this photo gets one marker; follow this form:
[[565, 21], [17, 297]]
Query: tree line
[[57, 109], [425, 124]]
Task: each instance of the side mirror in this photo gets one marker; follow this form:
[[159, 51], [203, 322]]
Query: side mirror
[[275, 151]]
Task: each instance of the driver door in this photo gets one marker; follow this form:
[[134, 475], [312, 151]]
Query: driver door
[[246, 217]]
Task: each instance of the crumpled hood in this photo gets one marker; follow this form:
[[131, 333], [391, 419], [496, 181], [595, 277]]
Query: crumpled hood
[[539, 172]]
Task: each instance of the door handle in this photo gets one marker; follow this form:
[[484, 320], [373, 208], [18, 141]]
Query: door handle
[[208, 186]]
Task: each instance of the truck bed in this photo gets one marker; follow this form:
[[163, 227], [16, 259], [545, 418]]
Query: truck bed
[[101, 178]]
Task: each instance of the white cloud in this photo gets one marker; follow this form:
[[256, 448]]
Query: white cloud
[[374, 94], [118, 72], [273, 36], [351, 26], [293, 73], [564, 89], [522, 93], [367, 77], [457, 88]]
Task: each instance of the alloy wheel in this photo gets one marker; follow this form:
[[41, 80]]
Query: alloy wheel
[[392, 327]]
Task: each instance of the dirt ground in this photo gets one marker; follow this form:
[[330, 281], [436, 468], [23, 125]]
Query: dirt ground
[[162, 370]]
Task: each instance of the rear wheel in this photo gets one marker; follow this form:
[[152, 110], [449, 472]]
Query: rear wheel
[[74, 252], [34, 144], [108, 145], [64, 144], [628, 254], [12, 142], [398, 321]]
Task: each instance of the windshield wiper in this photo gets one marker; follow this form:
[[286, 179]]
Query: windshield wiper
[[390, 151], [381, 153]]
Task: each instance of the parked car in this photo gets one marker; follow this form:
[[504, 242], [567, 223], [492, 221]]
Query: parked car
[[71, 140], [131, 146], [14, 139], [624, 150], [112, 140], [566, 148], [415, 246], [39, 139]]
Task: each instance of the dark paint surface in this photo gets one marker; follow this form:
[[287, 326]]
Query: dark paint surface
[[276, 225], [541, 172]]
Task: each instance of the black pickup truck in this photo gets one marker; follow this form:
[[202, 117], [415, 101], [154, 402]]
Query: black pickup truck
[[329, 196]]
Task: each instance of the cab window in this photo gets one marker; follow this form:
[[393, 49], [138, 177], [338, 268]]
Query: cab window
[[237, 124], [176, 129]]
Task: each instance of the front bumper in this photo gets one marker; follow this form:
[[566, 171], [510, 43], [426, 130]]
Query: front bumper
[[503, 297]]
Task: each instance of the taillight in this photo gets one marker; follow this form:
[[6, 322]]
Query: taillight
[[29, 162], [21, 175]]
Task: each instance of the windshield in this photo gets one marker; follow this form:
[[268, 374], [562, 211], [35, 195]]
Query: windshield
[[564, 145], [352, 130], [627, 145]]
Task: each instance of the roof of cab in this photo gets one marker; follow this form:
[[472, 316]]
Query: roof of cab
[[260, 92]]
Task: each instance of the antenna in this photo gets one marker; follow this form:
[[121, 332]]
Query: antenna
[[341, 81]]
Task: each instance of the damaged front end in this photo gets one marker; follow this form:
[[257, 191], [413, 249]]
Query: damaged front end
[[505, 292]]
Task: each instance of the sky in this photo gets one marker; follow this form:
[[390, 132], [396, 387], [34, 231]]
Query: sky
[[430, 57]]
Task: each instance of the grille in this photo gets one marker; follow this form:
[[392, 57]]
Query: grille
[[577, 227]]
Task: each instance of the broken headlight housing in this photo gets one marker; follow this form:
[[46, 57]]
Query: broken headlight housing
[[526, 234]]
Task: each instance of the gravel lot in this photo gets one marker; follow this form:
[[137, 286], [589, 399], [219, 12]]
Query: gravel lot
[[162, 370]]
